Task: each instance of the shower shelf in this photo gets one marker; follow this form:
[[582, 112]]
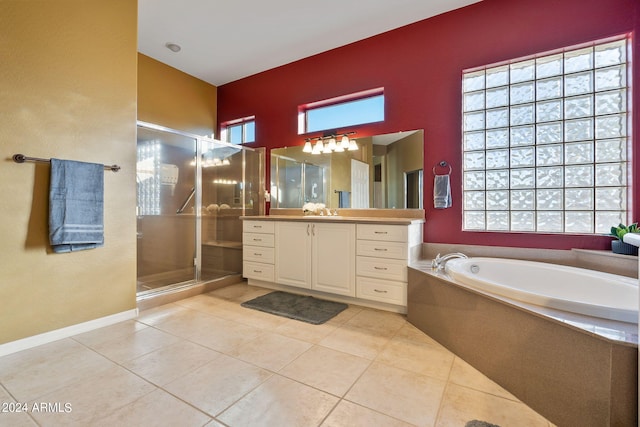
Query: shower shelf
[[223, 244]]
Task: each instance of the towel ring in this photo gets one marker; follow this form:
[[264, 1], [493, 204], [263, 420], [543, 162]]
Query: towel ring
[[442, 164]]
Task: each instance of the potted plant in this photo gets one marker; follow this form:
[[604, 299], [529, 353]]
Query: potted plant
[[620, 247]]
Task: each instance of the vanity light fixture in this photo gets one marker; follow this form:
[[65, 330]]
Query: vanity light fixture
[[331, 144]]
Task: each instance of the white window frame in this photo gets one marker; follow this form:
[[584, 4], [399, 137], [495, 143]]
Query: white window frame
[[244, 123]]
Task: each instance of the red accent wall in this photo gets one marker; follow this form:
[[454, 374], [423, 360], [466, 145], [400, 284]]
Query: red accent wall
[[420, 67]]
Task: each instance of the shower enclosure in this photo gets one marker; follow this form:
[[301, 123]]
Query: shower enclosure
[[191, 192]]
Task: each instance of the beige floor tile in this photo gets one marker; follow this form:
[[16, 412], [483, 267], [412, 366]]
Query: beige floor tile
[[156, 409], [240, 292], [248, 316], [280, 402], [215, 423], [410, 332], [131, 346], [163, 313], [109, 333], [218, 384], [188, 323], [345, 315], [271, 351], [382, 323], [418, 357], [13, 414], [202, 302], [357, 341], [94, 397], [466, 375], [305, 331], [461, 405], [225, 335], [170, 363], [348, 414], [326, 369], [32, 373], [401, 394]]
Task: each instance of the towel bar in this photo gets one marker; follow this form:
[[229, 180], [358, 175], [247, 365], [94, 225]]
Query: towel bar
[[21, 158]]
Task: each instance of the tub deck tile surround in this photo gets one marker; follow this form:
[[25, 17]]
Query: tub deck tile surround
[[575, 370]]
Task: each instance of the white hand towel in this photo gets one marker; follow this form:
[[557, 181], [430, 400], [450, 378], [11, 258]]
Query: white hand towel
[[441, 192]]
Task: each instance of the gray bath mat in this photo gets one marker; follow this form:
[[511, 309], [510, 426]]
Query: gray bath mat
[[305, 308], [477, 423]]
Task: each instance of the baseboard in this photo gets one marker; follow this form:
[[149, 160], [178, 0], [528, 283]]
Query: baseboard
[[47, 337]]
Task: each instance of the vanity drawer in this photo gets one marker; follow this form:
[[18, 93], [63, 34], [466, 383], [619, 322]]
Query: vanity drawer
[[258, 254], [375, 248], [381, 290], [258, 226], [258, 271], [257, 239], [381, 268], [382, 232]]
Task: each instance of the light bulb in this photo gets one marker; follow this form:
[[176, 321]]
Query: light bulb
[[307, 147], [344, 142], [331, 145], [353, 146]]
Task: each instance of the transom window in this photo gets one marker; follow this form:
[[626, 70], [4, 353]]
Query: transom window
[[240, 131], [545, 142], [349, 110]]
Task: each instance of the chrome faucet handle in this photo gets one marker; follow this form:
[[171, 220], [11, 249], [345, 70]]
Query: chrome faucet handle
[[435, 263]]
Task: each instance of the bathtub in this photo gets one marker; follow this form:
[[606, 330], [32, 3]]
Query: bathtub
[[572, 289]]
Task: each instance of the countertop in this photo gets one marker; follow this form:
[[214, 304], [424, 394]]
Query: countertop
[[338, 218]]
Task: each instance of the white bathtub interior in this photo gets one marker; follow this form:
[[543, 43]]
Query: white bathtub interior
[[572, 289]]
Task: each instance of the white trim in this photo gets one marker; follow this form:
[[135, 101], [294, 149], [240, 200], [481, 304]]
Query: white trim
[[47, 337]]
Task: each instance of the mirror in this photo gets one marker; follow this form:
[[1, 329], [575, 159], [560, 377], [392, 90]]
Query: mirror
[[384, 173]]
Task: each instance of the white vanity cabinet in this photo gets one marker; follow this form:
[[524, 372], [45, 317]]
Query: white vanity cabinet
[[258, 253], [383, 254], [315, 255], [357, 260]]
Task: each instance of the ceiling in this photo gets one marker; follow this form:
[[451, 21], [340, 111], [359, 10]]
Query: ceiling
[[225, 40]]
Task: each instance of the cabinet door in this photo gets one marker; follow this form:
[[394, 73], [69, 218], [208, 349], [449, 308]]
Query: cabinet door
[[293, 253], [334, 260]]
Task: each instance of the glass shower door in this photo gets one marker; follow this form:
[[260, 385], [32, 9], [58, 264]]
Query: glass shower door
[[166, 214]]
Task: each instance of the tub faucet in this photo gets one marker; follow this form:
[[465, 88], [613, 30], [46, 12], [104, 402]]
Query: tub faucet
[[439, 262]]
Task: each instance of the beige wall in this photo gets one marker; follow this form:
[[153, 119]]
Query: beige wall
[[171, 98], [405, 155], [67, 90]]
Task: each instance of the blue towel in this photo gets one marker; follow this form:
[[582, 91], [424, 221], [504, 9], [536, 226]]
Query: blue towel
[[441, 192], [76, 200]]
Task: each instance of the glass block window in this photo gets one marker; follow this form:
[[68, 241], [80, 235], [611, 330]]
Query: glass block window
[[545, 142]]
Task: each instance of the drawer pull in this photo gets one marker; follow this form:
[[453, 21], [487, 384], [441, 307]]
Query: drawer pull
[[380, 232], [257, 254], [257, 226], [257, 271], [380, 268], [380, 249], [257, 240], [379, 291]]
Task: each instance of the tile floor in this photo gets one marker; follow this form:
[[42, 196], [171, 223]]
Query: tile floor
[[207, 361]]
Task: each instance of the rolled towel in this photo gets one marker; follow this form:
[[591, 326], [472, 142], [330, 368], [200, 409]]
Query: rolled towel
[[441, 192]]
